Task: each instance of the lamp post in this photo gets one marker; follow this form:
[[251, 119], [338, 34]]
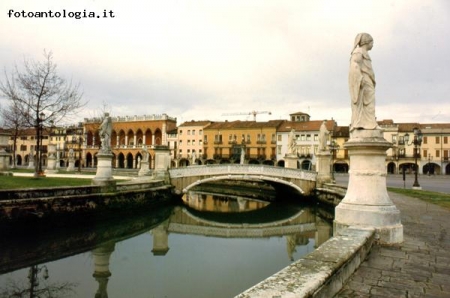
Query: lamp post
[[39, 128], [417, 141], [334, 149]]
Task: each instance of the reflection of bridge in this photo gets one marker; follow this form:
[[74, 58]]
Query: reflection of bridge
[[184, 222], [301, 181], [302, 223]]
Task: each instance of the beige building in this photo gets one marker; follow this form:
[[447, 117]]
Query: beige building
[[190, 142]]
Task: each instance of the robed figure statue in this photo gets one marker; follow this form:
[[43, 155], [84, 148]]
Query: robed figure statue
[[362, 84]]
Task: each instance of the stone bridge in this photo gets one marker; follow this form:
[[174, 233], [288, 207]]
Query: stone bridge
[[282, 179]]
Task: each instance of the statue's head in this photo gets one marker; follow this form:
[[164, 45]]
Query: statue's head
[[362, 39]]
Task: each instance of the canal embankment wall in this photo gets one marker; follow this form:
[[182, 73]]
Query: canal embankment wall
[[28, 205]]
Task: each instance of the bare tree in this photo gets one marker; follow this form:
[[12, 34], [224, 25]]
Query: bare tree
[[15, 123], [41, 97]]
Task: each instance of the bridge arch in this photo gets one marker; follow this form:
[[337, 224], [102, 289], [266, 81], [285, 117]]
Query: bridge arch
[[268, 179], [283, 179]]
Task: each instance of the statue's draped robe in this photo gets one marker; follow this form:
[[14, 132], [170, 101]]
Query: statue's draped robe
[[362, 90]]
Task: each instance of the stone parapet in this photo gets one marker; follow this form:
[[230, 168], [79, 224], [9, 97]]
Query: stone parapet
[[321, 273]]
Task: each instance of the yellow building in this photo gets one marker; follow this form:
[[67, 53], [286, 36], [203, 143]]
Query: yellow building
[[224, 141]]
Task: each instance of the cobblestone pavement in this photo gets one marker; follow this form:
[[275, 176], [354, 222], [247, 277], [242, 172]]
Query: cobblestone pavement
[[419, 267]]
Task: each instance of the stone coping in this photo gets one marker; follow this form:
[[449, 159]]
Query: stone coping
[[321, 273]]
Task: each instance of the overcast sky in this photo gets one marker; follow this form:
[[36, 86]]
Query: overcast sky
[[201, 59]]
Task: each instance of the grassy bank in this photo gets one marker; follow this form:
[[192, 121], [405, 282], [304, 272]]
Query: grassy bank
[[13, 182], [438, 198]]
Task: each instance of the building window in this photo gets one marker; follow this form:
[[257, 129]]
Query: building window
[[438, 154], [248, 138], [279, 149], [308, 137], [316, 138], [200, 143], [189, 142], [193, 142], [200, 132], [180, 132], [302, 137], [188, 132], [193, 132], [23, 147], [205, 139], [425, 153], [279, 138], [437, 140], [445, 140], [425, 140]]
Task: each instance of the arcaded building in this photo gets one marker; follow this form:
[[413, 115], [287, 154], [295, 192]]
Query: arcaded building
[[130, 135]]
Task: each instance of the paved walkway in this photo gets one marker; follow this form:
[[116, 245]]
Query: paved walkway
[[419, 267]]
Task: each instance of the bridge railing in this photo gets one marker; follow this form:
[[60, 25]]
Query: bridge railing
[[238, 169]]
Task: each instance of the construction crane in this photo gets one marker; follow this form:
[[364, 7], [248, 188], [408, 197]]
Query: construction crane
[[254, 113]]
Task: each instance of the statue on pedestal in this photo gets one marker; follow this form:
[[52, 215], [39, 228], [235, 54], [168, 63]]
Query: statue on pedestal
[[323, 136], [105, 134], [292, 143], [362, 83]]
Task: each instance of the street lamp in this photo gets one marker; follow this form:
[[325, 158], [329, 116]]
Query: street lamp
[[334, 149], [39, 128], [417, 142]]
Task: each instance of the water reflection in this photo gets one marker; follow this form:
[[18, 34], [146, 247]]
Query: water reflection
[[221, 203], [211, 241]]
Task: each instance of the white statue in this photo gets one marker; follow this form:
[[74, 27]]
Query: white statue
[[145, 154], [323, 136], [71, 153], [242, 155], [194, 157], [292, 143], [362, 83], [105, 134]]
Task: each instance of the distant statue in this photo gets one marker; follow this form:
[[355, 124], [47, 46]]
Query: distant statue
[[291, 142], [105, 134], [145, 154], [362, 83], [194, 157], [242, 155], [323, 136], [71, 153], [139, 162]]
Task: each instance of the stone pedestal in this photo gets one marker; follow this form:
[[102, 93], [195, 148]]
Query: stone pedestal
[[4, 160], [51, 161], [291, 161], [71, 166], [144, 170], [323, 167], [31, 163], [367, 203], [104, 176], [162, 163]]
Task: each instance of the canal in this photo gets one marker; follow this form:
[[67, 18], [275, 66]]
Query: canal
[[207, 245]]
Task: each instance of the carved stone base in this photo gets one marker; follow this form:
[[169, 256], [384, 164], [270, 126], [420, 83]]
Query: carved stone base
[[291, 161], [71, 166], [367, 203], [323, 168], [104, 176], [144, 170]]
